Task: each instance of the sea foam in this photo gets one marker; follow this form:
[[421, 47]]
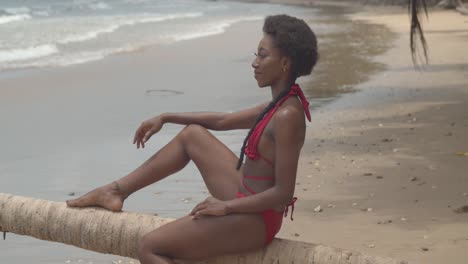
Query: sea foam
[[129, 22], [209, 29], [27, 53], [14, 18]]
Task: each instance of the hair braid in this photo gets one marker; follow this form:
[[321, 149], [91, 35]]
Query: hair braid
[[259, 118]]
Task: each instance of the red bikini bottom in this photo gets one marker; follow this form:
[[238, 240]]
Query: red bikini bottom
[[272, 220]]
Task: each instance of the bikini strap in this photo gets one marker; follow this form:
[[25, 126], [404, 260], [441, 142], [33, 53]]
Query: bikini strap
[[305, 104], [294, 199], [259, 178], [248, 188]]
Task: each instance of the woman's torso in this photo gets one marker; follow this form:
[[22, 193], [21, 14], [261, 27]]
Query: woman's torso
[[263, 168]]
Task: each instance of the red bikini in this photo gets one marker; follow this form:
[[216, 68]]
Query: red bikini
[[272, 218]]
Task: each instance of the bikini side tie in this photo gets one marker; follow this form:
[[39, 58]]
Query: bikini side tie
[[294, 199]]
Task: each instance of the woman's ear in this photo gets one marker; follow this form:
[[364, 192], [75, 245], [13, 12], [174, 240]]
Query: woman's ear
[[285, 64]]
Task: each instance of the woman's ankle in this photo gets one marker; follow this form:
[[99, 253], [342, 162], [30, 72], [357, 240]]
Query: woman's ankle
[[122, 191]]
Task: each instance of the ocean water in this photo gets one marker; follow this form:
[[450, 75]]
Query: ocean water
[[38, 33]]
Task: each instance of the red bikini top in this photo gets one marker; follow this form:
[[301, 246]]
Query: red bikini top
[[252, 144]]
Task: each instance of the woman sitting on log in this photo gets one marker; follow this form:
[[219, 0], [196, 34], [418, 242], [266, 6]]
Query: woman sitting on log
[[248, 200]]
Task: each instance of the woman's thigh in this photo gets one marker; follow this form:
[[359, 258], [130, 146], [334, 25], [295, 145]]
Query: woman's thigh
[[208, 236], [215, 161]]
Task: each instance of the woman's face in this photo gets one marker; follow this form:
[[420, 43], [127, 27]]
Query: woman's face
[[269, 65]]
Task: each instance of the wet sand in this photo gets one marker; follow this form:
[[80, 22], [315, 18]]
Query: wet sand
[[385, 164]]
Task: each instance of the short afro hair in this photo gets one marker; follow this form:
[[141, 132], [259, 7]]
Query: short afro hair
[[294, 38]]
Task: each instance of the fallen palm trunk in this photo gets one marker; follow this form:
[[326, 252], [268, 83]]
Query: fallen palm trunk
[[118, 233]]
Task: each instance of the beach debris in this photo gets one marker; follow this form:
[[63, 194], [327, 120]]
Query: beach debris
[[379, 177], [384, 222], [186, 200], [331, 206], [449, 134], [318, 209], [414, 179], [462, 209], [403, 219], [463, 154], [162, 92], [368, 174], [425, 249], [71, 194], [422, 183], [425, 236], [387, 140], [367, 209], [371, 245], [304, 189], [296, 234], [380, 125], [354, 204], [465, 194], [434, 187], [395, 150]]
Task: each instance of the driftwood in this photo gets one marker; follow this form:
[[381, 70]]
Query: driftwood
[[118, 233]]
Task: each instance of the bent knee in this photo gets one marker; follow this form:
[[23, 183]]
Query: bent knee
[[148, 245], [193, 131]]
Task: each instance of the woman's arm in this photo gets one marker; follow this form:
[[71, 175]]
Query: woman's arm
[[211, 120], [216, 121]]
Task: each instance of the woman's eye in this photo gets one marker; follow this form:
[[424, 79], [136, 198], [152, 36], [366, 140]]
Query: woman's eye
[[262, 56]]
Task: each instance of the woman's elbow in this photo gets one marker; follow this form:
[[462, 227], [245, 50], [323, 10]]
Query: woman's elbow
[[285, 197]]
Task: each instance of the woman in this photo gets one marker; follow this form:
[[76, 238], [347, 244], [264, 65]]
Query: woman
[[248, 200]]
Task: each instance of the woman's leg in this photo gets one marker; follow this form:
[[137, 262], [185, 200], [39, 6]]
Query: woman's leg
[[216, 163], [203, 238]]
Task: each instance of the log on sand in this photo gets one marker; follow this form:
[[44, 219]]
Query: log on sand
[[118, 233]]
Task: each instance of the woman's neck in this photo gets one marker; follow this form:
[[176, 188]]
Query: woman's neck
[[279, 87]]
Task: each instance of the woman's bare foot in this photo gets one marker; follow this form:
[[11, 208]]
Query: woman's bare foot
[[110, 197]]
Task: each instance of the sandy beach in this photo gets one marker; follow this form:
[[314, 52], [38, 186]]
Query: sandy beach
[[381, 157], [384, 163]]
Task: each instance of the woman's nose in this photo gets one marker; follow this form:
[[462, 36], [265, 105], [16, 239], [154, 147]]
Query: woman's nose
[[255, 63]]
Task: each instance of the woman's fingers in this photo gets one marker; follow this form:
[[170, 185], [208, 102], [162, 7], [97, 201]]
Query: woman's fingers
[[138, 139], [206, 211], [198, 208], [148, 135]]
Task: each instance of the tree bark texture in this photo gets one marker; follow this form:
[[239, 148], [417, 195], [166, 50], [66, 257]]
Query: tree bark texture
[[118, 233]]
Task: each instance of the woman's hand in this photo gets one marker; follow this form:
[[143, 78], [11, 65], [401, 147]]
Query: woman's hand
[[146, 130], [210, 206]]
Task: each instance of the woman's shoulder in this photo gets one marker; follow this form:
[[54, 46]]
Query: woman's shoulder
[[290, 108], [291, 113]]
